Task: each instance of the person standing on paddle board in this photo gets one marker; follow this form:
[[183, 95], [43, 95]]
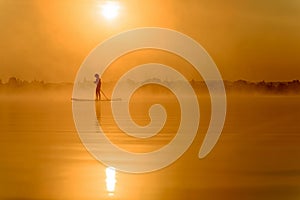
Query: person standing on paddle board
[[98, 88]]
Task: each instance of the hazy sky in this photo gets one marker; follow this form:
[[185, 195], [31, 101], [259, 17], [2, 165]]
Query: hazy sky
[[248, 39]]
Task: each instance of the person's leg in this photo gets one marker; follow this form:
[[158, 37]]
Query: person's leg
[[96, 94], [98, 97]]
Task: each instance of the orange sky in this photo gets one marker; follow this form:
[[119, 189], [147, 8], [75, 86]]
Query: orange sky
[[251, 39]]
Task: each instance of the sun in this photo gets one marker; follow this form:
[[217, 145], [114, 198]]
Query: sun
[[110, 9]]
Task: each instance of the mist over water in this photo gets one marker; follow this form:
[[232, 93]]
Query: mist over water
[[256, 157]]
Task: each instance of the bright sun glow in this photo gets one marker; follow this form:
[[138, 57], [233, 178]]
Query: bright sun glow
[[110, 9]]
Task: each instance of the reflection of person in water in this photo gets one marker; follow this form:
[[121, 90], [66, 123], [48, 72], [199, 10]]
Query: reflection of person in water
[[98, 88]]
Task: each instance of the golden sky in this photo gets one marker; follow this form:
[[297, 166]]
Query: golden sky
[[250, 39]]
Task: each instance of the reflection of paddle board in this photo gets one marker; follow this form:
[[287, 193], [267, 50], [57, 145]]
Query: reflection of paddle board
[[76, 99]]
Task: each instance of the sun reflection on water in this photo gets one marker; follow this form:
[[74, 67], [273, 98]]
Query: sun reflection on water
[[110, 180]]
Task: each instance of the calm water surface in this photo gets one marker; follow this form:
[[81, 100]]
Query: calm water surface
[[257, 156]]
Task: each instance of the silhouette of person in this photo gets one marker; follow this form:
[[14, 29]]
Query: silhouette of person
[[98, 87]]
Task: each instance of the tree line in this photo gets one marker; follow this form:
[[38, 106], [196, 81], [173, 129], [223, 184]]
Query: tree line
[[240, 86]]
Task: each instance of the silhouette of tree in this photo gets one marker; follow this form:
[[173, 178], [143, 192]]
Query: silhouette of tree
[[239, 86], [12, 82]]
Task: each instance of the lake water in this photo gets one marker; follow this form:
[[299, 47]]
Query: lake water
[[256, 157]]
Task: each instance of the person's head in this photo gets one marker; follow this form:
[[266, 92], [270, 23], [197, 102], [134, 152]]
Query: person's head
[[97, 75]]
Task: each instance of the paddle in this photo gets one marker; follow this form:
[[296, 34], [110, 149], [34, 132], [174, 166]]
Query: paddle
[[117, 99]]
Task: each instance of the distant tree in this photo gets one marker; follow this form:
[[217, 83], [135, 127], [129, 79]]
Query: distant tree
[[282, 87], [193, 82], [25, 83], [12, 82]]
